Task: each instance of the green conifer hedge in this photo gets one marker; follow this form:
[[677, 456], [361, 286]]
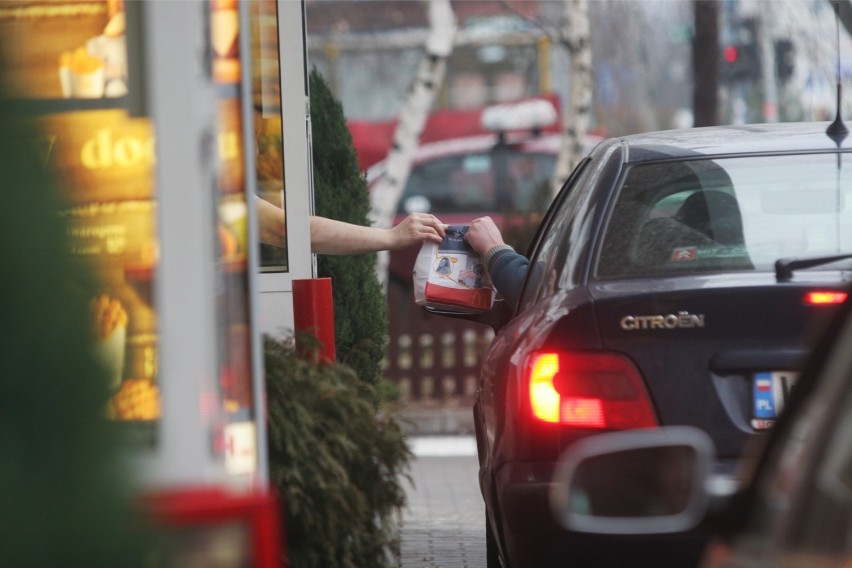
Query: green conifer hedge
[[340, 192], [336, 461], [337, 454]]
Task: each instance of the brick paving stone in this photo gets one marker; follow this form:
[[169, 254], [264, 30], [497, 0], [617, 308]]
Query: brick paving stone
[[444, 523]]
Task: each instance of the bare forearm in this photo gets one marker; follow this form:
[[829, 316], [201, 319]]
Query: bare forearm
[[336, 237], [329, 236], [273, 223]]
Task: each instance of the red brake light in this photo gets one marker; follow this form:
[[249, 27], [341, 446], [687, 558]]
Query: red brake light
[[824, 297], [589, 390]]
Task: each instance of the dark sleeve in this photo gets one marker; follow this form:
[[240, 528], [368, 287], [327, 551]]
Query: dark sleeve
[[508, 270]]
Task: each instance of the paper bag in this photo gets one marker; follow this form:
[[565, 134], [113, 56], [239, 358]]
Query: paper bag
[[451, 276]]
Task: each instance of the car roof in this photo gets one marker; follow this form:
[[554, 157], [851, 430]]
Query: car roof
[[717, 141], [709, 141], [545, 143], [548, 143]]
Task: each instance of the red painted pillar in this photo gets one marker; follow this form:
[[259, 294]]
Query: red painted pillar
[[313, 312]]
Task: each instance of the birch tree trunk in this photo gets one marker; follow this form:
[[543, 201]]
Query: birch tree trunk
[[430, 75], [575, 36]]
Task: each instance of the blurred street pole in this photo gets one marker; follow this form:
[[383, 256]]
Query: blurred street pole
[[421, 95], [844, 12], [767, 73], [705, 57], [575, 35]]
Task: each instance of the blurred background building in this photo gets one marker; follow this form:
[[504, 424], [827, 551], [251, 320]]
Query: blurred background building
[[656, 65], [776, 64], [506, 50]]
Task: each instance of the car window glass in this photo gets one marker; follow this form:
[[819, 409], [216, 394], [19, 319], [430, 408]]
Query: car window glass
[[469, 183], [732, 214], [556, 236]]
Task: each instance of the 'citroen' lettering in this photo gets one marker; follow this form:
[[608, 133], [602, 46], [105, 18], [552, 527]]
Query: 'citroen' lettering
[[680, 320]]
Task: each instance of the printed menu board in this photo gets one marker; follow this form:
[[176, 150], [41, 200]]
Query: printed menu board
[[64, 49], [238, 439], [71, 59], [67, 53], [268, 129]]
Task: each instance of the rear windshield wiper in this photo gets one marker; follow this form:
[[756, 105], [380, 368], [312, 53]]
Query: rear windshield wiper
[[784, 267]]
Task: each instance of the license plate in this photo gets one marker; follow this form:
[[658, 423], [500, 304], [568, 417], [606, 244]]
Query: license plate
[[770, 391]]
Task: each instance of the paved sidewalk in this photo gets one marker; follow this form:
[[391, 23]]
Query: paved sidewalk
[[444, 523], [422, 420]]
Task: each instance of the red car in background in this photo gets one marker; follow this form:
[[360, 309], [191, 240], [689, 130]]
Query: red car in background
[[464, 178], [504, 175]]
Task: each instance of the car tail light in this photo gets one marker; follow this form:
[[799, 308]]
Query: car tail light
[[824, 297], [588, 390]]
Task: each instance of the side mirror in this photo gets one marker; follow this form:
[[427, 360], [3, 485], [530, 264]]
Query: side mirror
[[497, 317], [634, 482]]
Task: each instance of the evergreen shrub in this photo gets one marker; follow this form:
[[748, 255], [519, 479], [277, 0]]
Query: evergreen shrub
[[337, 455], [341, 192], [336, 461]]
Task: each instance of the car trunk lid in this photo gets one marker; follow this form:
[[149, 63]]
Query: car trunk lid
[[716, 352]]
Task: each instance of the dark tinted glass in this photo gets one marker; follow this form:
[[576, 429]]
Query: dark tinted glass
[[733, 214]]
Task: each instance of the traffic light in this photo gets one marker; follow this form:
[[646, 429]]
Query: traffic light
[[741, 57], [785, 57], [733, 69]]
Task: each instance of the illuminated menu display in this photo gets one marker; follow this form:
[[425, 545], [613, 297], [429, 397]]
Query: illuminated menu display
[[65, 49], [71, 59], [238, 440], [269, 149], [68, 53]]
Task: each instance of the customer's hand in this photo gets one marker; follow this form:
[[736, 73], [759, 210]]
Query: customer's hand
[[483, 234]]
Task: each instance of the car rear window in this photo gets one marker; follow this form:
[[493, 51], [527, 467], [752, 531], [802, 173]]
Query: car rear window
[[469, 183], [731, 214]]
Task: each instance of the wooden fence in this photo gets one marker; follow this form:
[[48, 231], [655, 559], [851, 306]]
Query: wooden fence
[[434, 360]]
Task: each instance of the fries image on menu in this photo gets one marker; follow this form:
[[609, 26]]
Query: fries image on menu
[[99, 67], [109, 315], [137, 399], [81, 74], [110, 326]]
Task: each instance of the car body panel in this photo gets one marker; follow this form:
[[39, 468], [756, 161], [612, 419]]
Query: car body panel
[[742, 331], [695, 374], [793, 510], [735, 139]]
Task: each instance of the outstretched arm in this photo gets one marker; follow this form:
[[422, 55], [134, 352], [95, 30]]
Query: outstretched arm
[[336, 237], [273, 223], [506, 268]]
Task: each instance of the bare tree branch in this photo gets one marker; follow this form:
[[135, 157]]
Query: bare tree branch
[[430, 75]]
